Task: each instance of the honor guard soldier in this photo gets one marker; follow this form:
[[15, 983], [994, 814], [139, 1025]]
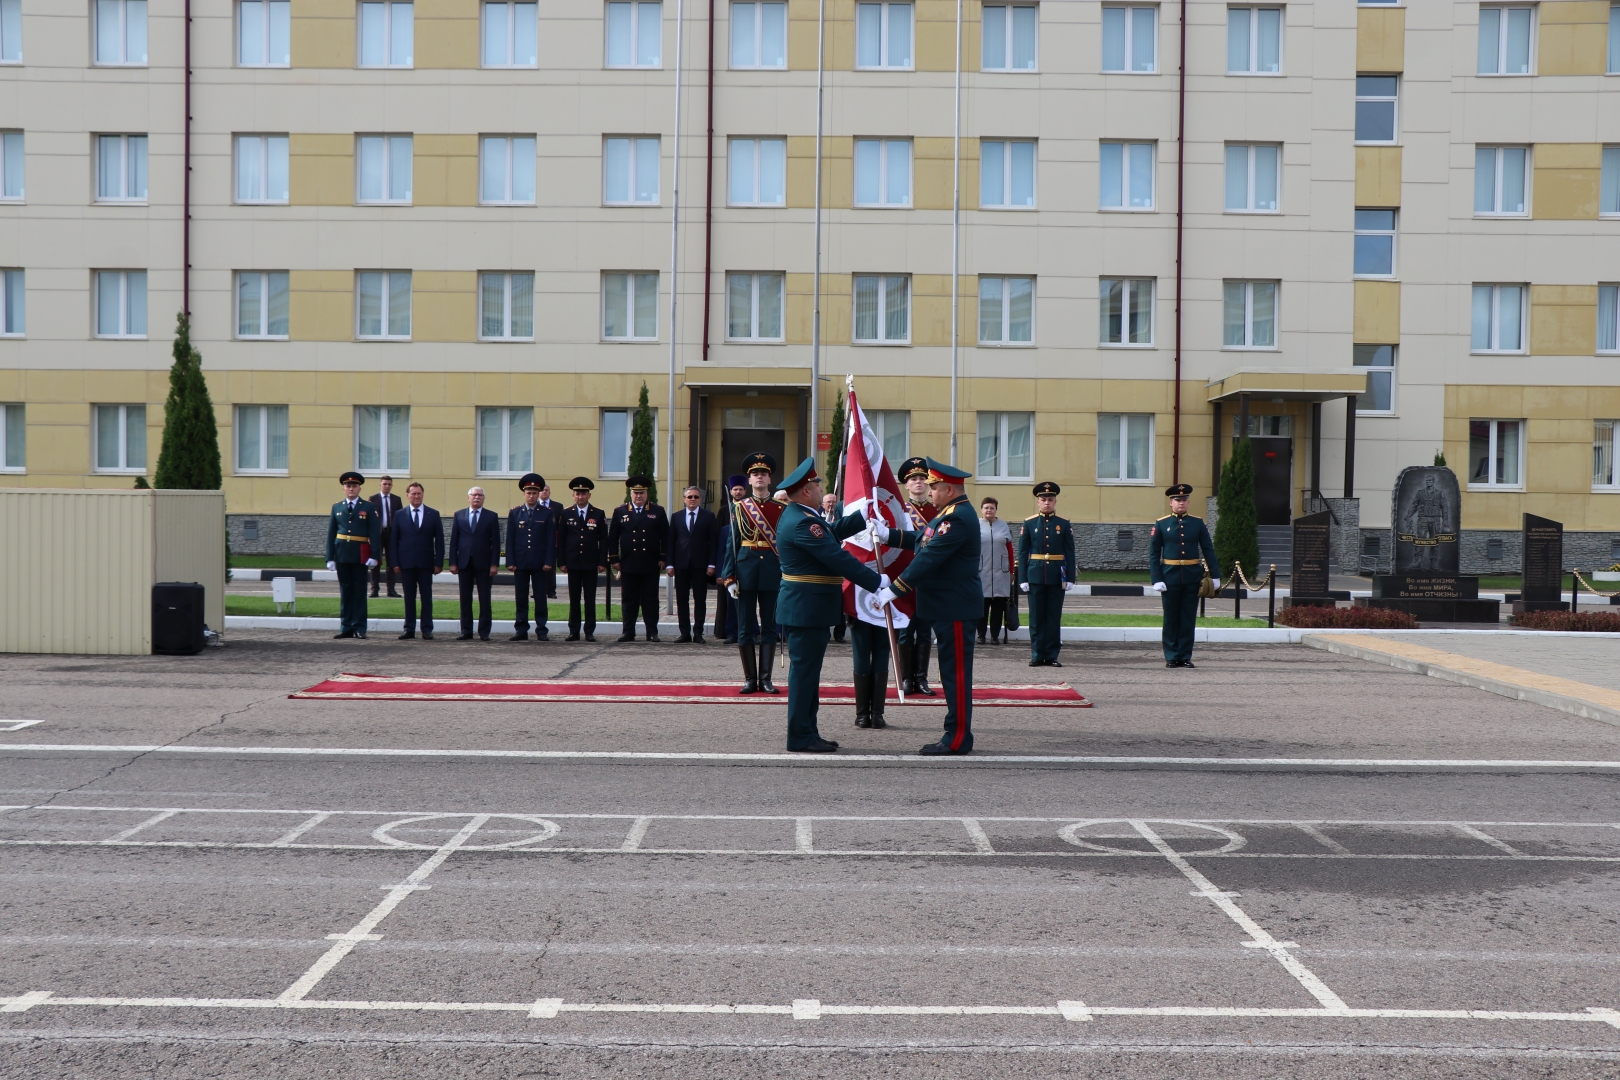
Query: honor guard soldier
[[638, 539], [582, 550], [353, 542], [752, 573], [1046, 563], [531, 550], [950, 597], [913, 639], [814, 566], [1178, 552]]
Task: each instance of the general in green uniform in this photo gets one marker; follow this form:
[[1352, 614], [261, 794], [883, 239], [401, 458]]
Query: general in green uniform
[[1179, 550], [1046, 564], [353, 542]]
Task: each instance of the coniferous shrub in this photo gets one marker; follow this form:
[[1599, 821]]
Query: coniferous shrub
[[189, 458], [642, 457], [1237, 533]]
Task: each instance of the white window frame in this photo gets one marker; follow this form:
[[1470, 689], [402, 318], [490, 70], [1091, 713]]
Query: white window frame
[[259, 417], [386, 302], [1248, 315], [758, 7], [1125, 167], [636, 12], [1254, 40], [1000, 475], [387, 140], [1130, 39], [265, 283], [508, 10], [758, 281], [1500, 57], [881, 420], [126, 151], [1129, 287], [1004, 302], [123, 467], [1608, 312], [1609, 172], [1394, 363], [636, 146], [635, 280], [1007, 146], [13, 428], [1498, 175], [886, 147], [13, 166], [11, 32], [629, 414], [508, 279], [397, 467], [122, 31], [1611, 450], [505, 411], [511, 170], [1395, 104], [13, 302], [1495, 317], [1121, 432], [884, 282], [885, 35], [778, 145], [1393, 233], [126, 310], [1492, 482], [1251, 153], [267, 147], [1008, 34], [388, 16], [265, 13], [1614, 39]]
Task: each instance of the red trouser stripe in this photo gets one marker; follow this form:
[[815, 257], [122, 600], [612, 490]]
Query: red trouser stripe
[[961, 690]]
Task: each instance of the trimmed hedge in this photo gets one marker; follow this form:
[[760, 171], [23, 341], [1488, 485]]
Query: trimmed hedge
[[1601, 621], [1353, 618]]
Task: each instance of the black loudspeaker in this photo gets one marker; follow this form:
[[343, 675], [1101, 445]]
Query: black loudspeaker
[[177, 618]]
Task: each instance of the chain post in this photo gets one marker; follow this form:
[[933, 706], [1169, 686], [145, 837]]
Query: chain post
[[1237, 590], [1574, 591], [1271, 606]]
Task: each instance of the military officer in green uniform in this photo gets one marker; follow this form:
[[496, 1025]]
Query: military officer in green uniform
[[814, 566], [1046, 565], [353, 542], [945, 576], [1177, 554]]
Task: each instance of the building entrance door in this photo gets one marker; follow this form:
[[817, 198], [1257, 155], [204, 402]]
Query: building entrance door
[[1273, 479], [740, 437]]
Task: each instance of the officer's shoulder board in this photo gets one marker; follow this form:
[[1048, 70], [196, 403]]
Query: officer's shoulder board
[[1166, 517], [1032, 517]]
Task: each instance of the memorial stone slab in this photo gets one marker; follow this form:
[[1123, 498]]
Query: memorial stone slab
[[1313, 543], [1542, 566]]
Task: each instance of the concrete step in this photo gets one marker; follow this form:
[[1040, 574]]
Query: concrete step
[[1276, 547]]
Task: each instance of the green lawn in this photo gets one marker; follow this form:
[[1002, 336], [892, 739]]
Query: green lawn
[[1155, 620], [279, 562]]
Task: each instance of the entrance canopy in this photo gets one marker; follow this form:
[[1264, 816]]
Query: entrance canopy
[[1283, 384]]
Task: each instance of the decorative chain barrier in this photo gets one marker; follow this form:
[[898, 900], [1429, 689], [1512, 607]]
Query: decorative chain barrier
[[1596, 592], [1239, 575]]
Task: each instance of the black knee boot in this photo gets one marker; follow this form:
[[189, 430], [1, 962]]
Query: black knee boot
[[920, 674], [908, 679], [767, 658], [863, 701], [880, 695], [750, 672]]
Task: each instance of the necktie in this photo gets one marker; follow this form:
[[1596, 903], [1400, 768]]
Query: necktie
[[416, 517], [473, 519], [691, 519]]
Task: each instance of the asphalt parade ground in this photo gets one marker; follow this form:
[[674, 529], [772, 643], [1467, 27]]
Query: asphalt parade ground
[[1284, 863]]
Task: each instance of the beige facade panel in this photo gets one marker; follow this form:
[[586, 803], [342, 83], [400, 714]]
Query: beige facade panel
[[1377, 318], [1573, 37], [840, 37], [1381, 39], [931, 309], [803, 34], [837, 171], [1566, 180], [799, 315], [1378, 176], [447, 33], [190, 545], [1563, 320], [801, 170], [320, 170], [444, 170], [837, 307], [320, 305], [936, 34], [323, 34], [444, 306]]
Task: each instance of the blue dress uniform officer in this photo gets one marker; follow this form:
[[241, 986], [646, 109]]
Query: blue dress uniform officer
[[1177, 554], [638, 544], [814, 566], [353, 542], [582, 551], [752, 572], [531, 550], [1046, 563], [945, 576]]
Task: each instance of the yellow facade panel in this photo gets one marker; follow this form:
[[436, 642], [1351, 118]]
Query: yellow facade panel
[[799, 313], [931, 176], [803, 32], [1563, 320], [445, 170], [930, 309], [936, 34], [322, 34], [447, 33], [1567, 177], [1377, 318], [801, 171], [837, 171], [320, 305], [840, 36], [1381, 39], [320, 170], [1573, 37], [1378, 176]]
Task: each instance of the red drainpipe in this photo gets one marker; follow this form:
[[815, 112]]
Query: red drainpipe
[[708, 193], [1181, 190], [185, 219]]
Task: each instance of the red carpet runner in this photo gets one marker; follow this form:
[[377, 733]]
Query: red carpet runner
[[394, 688]]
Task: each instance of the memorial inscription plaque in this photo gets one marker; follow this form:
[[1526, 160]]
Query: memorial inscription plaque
[[1426, 522], [1542, 566], [1308, 584]]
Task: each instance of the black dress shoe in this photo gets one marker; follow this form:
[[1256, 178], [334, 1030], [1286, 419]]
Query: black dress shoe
[[427, 635], [697, 639], [344, 634], [464, 637], [1054, 663], [590, 637], [1037, 663], [519, 637], [1172, 663], [571, 637], [542, 635], [1188, 663], [684, 639], [483, 637], [627, 637], [360, 634], [652, 637], [373, 595], [395, 596], [407, 635], [940, 749], [820, 746]]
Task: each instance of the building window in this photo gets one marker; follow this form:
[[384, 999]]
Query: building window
[[387, 34], [511, 35], [121, 32], [120, 436], [1127, 176], [893, 430], [11, 165], [883, 36], [1253, 41], [384, 168], [754, 307], [1129, 39], [506, 307], [506, 170], [1608, 185], [1005, 445], [1009, 37], [261, 303], [882, 309], [882, 172], [121, 303], [1125, 311], [263, 29], [505, 441], [630, 170], [1499, 318], [1006, 311], [1375, 243], [1614, 39], [1608, 330], [1500, 174], [1124, 448], [630, 306], [635, 35], [758, 172], [1504, 40], [1375, 108], [13, 298], [261, 168], [382, 437], [13, 438], [382, 305], [1495, 453], [1252, 177], [1006, 174], [120, 168], [11, 31], [614, 460], [261, 438], [1371, 3], [1605, 441], [1379, 360], [759, 35], [1249, 315]]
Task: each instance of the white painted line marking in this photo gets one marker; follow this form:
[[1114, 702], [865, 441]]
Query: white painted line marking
[[314, 820], [975, 832], [1609, 1016], [545, 1009], [1074, 1010], [17, 725], [318, 971], [1306, 978], [1323, 838], [806, 1009], [26, 1002], [1506, 849], [637, 833], [1280, 944], [803, 839], [162, 815]]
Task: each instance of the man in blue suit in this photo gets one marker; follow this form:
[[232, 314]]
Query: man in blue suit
[[417, 545], [531, 550], [475, 552]]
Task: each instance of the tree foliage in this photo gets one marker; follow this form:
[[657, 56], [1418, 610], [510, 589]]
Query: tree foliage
[[1237, 531], [836, 447], [189, 458], [641, 447]]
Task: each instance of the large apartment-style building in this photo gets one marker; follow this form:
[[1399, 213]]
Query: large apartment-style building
[[1068, 240]]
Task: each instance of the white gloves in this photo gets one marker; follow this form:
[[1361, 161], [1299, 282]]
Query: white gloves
[[884, 596], [883, 581], [1217, 582], [1067, 585], [331, 565], [734, 590], [371, 562], [1023, 586], [1158, 586]]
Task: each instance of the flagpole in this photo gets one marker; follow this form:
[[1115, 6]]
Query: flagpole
[[872, 534]]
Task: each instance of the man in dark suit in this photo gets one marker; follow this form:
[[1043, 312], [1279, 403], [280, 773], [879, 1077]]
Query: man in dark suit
[[692, 544], [582, 551], [531, 550], [416, 548], [475, 552], [549, 574], [387, 504], [725, 611], [638, 542]]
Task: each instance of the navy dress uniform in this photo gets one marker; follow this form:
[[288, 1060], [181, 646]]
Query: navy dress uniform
[[1046, 563], [638, 544], [353, 543], [1178, 551], [914, 637], [582, 550], [814, 566], [754, 567], [531, 550], [945, 576]]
